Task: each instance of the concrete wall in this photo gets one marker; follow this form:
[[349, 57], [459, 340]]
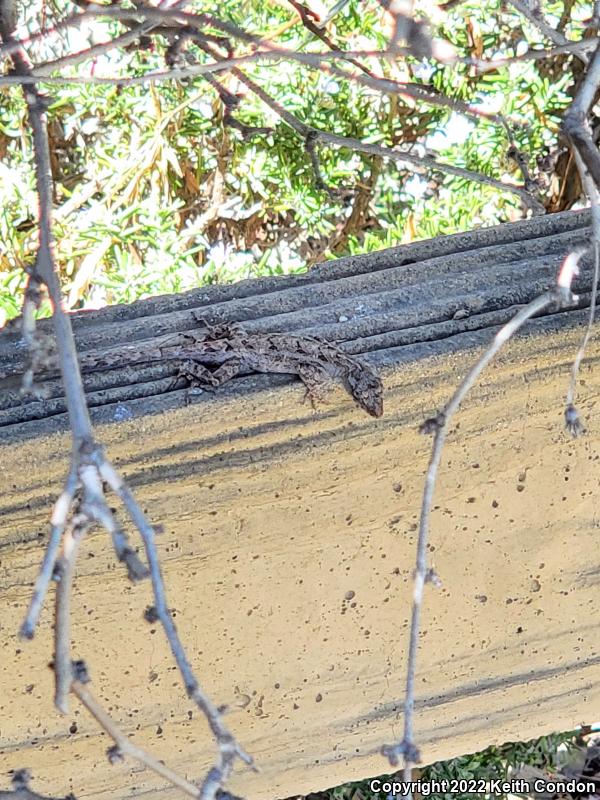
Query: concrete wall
[[289, 532]]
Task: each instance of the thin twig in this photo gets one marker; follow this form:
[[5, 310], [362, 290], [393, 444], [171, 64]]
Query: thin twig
[[577, 128], [88, 464], [63, 674], [125, 746], [573, 421], [11, 45], [533, 54], [97, 509], [409, 159], [228, 747], [313, 134], [576, 124], [317, 29], [538, 21], [58, 522], [45, 270], [39, 73], [21, 790], [94, 51], [319, 61], [561, 295]]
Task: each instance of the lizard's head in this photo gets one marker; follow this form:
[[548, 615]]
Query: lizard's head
[[367, 390]]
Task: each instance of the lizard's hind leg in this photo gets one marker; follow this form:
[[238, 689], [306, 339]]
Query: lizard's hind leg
[[197, 374], [200, 377]]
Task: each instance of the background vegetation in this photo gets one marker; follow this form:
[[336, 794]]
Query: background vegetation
[[157, 191], [560, 756]]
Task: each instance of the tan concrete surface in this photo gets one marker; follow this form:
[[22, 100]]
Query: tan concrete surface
[[290, 533], [270, 522]]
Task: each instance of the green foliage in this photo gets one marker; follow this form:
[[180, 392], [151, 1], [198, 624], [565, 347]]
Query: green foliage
[[490, 764], [155, 194], [494, 763]]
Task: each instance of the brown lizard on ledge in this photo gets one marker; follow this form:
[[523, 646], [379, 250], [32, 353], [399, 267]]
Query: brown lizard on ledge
[[209, 358]]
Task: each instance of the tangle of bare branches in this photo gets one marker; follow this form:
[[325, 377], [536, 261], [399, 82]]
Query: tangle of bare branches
[[82, 503], [232, 50]]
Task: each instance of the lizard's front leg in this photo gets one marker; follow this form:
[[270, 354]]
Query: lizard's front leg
[[317, 384]]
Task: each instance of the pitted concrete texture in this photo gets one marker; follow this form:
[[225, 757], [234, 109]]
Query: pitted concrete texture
[[289, 532]]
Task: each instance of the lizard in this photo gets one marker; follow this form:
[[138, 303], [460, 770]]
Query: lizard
[[208, 359]]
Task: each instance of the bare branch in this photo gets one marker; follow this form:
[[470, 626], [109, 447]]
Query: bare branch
[[535, 54], [409, 159], [21, 790], [312, 135], [317, 30], [88, 466], [576, 124], [11, 45], [58, 522], [228, 747], [439, 426], [573, 421], [39, 74], [197, 21], [94, 51], [74, 533], [124, 745], [539, 22], [230, 103]]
